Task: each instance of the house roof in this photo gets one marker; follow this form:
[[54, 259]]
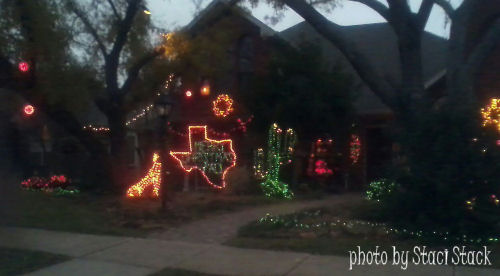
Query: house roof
[[218, 6], [377, 42]]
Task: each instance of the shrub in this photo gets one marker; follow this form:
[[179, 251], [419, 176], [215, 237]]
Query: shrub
[[450, 160], [41, 183], [240, 181], [380, 189]]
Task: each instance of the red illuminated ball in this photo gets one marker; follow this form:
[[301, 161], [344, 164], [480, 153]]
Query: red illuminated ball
[[24, 66], [189, 94], [29, 110]]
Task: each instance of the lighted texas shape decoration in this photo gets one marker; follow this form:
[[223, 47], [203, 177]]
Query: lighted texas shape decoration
[[213, 158]]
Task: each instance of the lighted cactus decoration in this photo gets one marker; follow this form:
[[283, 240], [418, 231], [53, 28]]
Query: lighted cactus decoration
[[280, 150]]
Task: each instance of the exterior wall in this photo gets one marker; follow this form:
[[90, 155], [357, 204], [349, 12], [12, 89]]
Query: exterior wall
[[488, 80]]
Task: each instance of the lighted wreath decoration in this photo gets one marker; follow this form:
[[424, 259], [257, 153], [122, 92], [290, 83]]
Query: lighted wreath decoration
[[491, 114], [223, 105]]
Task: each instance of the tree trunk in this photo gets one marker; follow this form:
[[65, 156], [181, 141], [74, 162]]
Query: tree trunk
[[118, 149]]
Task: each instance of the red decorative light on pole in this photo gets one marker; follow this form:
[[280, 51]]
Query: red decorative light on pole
[[24, 66], [189, 93], [29, 110]]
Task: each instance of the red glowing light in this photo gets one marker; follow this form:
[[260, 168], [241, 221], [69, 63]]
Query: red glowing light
[[24, 66], [321, 168], [189, 94], [29, 110], [498, 143], [182, 157]]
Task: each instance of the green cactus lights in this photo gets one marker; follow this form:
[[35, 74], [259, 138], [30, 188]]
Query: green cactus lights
[[280, 151]]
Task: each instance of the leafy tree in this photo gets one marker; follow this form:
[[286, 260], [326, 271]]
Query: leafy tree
[[36, 31], [440, 158], [119, 33], [293, 88]]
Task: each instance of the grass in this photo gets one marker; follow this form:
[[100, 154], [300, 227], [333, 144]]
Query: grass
[[15, 261], [334, 239], [114, 215], [179, 272]]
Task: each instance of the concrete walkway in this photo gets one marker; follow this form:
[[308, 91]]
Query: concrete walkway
[[121, 256], [218, 229]]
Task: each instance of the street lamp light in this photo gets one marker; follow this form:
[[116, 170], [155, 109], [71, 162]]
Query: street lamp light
[[164, 105]]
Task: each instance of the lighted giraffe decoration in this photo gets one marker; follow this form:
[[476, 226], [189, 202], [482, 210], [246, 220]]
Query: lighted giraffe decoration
[[152, 178]]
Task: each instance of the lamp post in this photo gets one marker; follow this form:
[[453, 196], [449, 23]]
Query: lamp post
[[163, 105]]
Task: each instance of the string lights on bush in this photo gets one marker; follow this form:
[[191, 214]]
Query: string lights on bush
[[355, 151], [222, 106], [152, 179], [491, 114], [213, 158], [56, 184], [380, 189], [321, 159], [295, 221]]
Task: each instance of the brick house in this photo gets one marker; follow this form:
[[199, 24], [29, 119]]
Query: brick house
[[251, 47]]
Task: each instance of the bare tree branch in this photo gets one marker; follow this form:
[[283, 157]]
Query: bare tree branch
[[399, 5], [133, 73], [376, 6], [124, 28], [89, 26], [486, 45], [446, 6], [424, 12], [115, 11], [360, 63]]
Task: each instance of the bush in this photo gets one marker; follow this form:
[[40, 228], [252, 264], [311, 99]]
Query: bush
[[450, 160], [380, 189], [41, 183], [239, 181]]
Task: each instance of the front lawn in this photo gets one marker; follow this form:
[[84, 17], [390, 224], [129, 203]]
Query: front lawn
[[16, 262], [114, 215], [338, 230]]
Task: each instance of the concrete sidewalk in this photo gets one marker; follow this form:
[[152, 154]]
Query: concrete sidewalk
[[105, 255], [218, 229]]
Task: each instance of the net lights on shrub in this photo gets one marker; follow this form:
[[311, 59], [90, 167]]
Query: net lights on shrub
[[223, 105], [278, 153], [491, 114], [213, 158], [152, 179]]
